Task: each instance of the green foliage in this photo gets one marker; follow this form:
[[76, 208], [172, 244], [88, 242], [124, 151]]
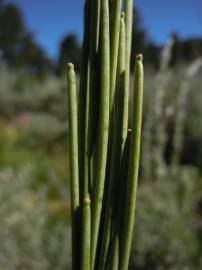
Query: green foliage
[[166, 235], [28, 242], [44, 128], [69, 51], [17, 46]]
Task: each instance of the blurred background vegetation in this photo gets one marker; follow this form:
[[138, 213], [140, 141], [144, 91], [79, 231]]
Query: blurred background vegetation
[[34, 184]]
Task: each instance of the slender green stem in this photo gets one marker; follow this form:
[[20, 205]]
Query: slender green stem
[[120, 203], [85, 230], [115, 9], [93, 74], [128, 9], [87, 80], [84, 107], [73, 160], [83, 146], [117, 147], [114, 44], [114, 256], [134, 156], [85, 235], [103, 130]]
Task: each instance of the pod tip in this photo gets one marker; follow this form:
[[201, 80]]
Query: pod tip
[[122, 15], [86, 201], [139, 57], [70, 66]]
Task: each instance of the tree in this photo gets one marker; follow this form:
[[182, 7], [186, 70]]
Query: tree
[[32, 56], [17, 45], [11, 32], [142, 43], [185, 50], [70, 51]]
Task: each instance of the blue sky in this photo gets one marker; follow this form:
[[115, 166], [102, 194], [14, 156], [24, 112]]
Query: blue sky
[[50, 20]]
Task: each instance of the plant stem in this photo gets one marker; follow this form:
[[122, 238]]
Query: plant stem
[[73, 160], [85, 235], [102, 130], [128, 9], [114, 256], [134, 156], [84, 107], [117, 147], [93, 74], [119, 215], [114, 45], [83, 146]]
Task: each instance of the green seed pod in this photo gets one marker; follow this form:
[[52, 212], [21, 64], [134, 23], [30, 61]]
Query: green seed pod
[[103, 130], [85, 235], [114, 45], [117, 148], [73, 160], [134, 156]]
